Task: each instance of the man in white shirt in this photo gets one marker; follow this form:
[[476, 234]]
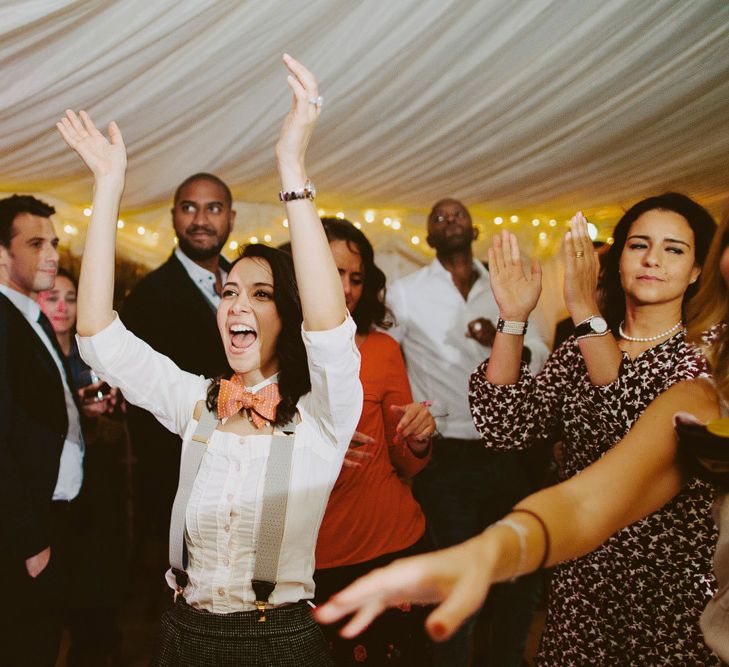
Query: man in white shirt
[[173, 309], [445, 317], [41, 447]]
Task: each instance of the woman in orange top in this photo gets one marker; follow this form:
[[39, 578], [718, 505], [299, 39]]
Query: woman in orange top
[[372, 517]]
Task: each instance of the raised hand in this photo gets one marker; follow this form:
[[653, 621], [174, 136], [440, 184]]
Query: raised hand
[[458, 577], [515, 288], [305, 109], [581, 270], [106, 158]]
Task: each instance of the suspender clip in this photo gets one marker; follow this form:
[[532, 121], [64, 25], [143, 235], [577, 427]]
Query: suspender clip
[[261, 606]]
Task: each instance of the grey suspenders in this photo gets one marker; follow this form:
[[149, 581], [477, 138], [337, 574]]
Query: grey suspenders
[[273, 512]]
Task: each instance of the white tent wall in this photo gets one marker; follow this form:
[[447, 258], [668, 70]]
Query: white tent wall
[[532, 109]]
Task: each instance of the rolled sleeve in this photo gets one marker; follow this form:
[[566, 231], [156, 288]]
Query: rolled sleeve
[[336, 391], [147, 379]]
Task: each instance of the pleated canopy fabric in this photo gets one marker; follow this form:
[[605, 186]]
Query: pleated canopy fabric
[[529, 108]]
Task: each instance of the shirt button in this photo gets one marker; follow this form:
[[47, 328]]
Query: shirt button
[[227, 528], [221, 591]]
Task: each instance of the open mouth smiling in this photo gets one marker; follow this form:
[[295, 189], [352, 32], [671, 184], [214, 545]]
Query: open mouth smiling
[[242, 336]]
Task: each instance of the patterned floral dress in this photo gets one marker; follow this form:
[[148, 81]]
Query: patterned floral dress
[[636, 600]]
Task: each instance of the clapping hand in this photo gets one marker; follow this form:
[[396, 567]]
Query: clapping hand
[[106, 158], [581, 271], [515, 288]]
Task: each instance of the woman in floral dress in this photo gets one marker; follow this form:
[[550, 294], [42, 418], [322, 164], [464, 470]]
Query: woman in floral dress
[[637, 599]]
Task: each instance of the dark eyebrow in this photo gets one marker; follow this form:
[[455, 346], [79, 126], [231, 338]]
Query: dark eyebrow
[[667, 240], [197, 203], [263, 285]]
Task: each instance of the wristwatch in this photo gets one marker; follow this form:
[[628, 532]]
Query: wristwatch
[[307, 192], [592, 326]]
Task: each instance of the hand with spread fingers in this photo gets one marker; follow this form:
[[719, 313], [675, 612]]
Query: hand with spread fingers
[[458, 578], [357, 455], [306, 104], [581, 270], [106, 158], [516, 289]]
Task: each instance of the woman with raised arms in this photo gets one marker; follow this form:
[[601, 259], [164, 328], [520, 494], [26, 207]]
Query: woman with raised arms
[[262, 448]]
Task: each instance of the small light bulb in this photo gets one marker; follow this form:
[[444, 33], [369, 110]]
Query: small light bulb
[[552, 223], [141, 230], [267, 238], [87, 212], [285, 222], [535, 222], [396, 224], [498, 220], [369, 216], [233, 245], [253, 239], [514, 218], [340, 215], [542, 235], [68, 229], [358, 224], [321, 212], [387, 222], [591, 231], [120, 224], [415, 240]]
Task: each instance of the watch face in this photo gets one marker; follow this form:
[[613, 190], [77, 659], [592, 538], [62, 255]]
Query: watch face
[[598, 325]]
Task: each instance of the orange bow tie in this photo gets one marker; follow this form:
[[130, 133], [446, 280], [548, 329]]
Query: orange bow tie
[[261, 406]]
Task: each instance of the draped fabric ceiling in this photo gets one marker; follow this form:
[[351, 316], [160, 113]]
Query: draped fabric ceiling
[[527, 108]]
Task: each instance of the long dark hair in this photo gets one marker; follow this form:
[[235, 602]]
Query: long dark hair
[[698, 218], [371, 310], [293, 377]]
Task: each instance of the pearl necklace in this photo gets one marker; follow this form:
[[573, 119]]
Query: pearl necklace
[[649, 339]]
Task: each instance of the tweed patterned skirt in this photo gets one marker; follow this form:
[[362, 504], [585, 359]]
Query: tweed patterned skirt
[[288, 638]]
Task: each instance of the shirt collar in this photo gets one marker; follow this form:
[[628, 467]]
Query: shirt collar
[[437, 268], [263, 383], [199, 276], [26, 305]]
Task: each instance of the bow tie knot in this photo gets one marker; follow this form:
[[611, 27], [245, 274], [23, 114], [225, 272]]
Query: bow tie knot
[[234, 397]]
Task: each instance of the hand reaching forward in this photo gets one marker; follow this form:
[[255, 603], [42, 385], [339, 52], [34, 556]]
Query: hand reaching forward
[[305, 109], [457, 577], [581, 270], [515, 289], [416, 423], [106, 158]]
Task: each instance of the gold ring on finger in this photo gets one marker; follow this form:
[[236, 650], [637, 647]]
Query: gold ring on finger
[[317, 101], [579, 254]]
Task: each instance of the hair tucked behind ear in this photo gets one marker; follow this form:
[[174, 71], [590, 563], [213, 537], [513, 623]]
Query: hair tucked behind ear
[[293, 378]]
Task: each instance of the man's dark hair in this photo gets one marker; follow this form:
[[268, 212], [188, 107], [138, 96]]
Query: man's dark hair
[[293, 376], [698, 218], [11, 207], [204, 176], [371, 309]]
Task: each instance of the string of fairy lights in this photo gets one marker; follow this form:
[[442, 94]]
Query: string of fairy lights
[[543, 235]]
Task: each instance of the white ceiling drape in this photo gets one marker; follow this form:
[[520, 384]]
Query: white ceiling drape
[[528, 108]]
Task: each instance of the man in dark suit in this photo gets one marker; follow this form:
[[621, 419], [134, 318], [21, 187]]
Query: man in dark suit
[[41, 447], [173, 309]]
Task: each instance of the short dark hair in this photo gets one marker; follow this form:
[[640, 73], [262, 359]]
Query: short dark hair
[[12, 207], [698, 218], [204, 176], [371, 309], [64, 273], [293, 377]]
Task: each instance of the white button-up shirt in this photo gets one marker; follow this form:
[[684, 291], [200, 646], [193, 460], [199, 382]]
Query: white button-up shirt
[[431, 321], [70, 471], [203, 279], [224, 511]]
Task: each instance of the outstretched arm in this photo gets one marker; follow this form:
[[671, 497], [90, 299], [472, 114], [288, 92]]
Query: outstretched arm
[[107, 160], [636, 477], [322, 299]]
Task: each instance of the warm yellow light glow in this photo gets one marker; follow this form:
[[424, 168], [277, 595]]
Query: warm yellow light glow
[[396, 224], [267, 238], [552, 223], [340, 215], [357, 224], [141, 230], [87, 212], [120, 224], [285, 222], [415, 240], [233, 245], [498, 220], [253, 239], [369, 216], [68, 229], [514, 218], [535, 222], [610, 240], [591, 231], [542, 235], [387, 222], [321, 212]]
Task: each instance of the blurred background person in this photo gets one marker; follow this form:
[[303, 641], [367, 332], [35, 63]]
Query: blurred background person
[[99, 546], [372, 518]]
